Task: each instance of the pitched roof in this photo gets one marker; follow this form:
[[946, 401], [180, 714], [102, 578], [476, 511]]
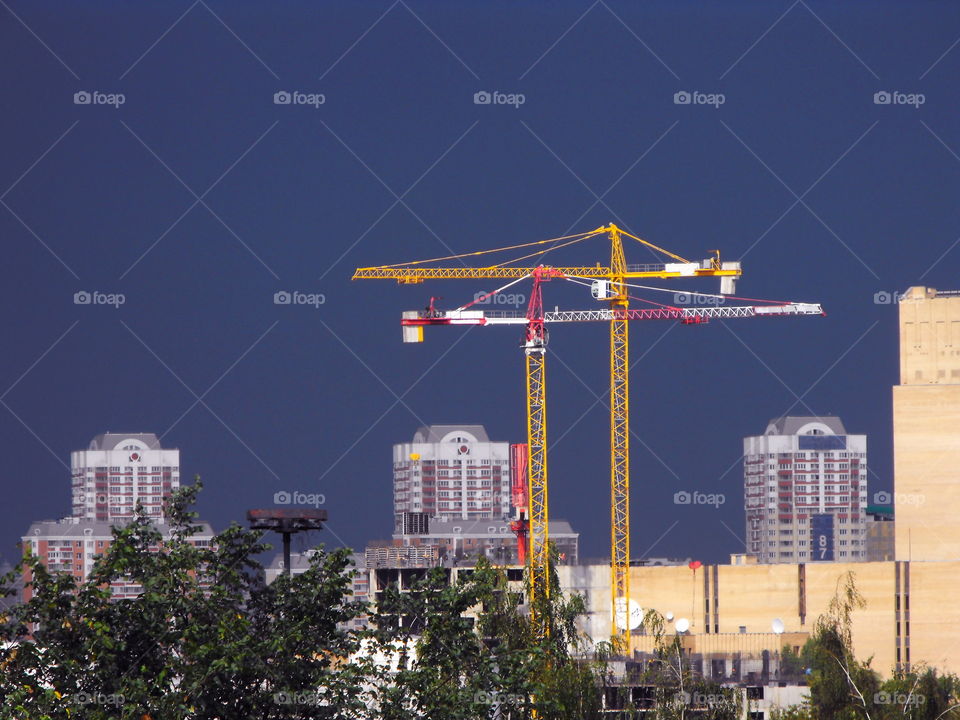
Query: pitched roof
[[436, 433], [793, 424], [114, 441]]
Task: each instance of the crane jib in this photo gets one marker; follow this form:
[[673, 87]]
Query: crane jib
[[506, 317]]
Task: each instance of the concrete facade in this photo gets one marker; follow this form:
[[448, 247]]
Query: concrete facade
[[731, 609], [926, 426]]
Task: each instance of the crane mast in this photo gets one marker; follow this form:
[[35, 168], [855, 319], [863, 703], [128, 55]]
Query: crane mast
[[534, 349], [619, 441]]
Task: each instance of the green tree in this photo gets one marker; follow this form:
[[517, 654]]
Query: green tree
[[841, 687], [679, 691], [921, 694], [204, 639], [469, 649]]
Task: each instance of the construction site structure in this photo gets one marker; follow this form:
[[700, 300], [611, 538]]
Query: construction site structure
[[611, 285]]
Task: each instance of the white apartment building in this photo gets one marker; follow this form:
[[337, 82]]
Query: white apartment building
[[119, 469], [451, 471], [805, 492]]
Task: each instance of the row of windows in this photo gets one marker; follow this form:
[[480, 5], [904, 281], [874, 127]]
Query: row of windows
[[141, 468]]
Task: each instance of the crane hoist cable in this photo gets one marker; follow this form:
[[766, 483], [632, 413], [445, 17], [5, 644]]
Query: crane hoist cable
[[582, 236], [542, 252], [500, 289]]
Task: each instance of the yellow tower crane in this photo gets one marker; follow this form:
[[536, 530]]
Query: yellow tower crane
[[609, 284]]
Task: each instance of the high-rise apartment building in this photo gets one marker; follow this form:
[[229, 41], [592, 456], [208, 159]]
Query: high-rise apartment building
[[805, 491], [119, 469], [451, 471], [109, 478], [926, 419]]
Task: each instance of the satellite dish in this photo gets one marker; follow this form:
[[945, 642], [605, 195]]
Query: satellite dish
[[669, 616], [777, 626], [682, 625], [635, 614]]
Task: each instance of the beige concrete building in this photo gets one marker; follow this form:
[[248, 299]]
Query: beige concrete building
[[741, 615], [926, 427], [732, 610]]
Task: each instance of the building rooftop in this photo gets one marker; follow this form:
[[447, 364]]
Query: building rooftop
[[301, 561], [99, 528], [119, 441], [805, 425], [448, 526], [436, 433]]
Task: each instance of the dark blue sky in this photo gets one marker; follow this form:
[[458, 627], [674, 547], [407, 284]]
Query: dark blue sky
[[824, 194]]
